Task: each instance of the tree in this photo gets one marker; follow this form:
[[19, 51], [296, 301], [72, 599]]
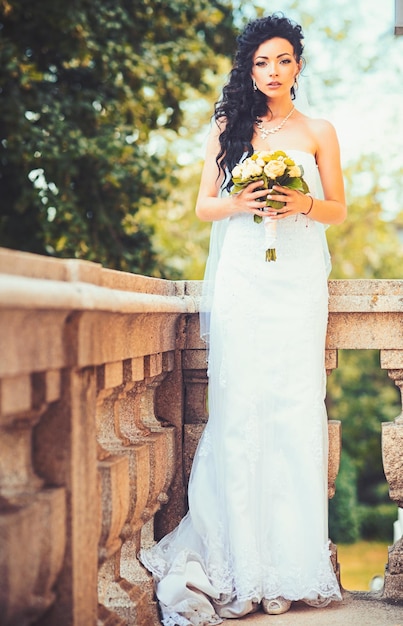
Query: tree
[[180, 239], [343, 510], [81, 91], [367, 244]]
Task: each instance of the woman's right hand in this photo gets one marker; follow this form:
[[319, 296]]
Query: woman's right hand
[[249, 199]]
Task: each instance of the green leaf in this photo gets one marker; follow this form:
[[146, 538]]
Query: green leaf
[[295, 183]]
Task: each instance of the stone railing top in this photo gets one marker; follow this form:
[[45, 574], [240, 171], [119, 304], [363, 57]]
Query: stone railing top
[[35, 281], [17, 263], [366, 296]]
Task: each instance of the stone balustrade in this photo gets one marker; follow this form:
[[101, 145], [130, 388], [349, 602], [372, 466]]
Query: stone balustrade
[[102, 402]]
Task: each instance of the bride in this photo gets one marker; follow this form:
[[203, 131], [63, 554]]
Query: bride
[[256, 532]]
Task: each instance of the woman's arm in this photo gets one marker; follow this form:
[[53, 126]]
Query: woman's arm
[[209, 206], [331, 210]]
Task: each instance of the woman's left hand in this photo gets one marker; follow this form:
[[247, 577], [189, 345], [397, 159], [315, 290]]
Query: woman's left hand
[[295, 202]]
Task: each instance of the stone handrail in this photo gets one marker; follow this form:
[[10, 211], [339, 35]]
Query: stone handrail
[[102, 402]]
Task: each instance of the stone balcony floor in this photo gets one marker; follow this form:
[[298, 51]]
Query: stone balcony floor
[[357, 609]]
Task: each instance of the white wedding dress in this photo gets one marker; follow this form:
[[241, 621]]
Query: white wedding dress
[[257, 521]]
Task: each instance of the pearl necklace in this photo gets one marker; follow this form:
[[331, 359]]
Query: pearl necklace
[[265, 132]]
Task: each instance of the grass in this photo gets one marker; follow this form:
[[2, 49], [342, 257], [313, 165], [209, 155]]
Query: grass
[[360, 562]]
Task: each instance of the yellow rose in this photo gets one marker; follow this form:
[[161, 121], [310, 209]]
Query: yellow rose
[[294, 171], [275, 168], [266, 155]]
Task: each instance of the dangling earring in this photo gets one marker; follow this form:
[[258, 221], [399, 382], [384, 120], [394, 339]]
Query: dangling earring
[[295, 82], [254, 84]]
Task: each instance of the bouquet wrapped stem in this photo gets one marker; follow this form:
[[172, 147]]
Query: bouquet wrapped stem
[[272, 168], [270, 230]]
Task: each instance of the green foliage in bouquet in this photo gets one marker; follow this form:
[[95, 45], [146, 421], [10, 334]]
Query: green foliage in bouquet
[[272, 168]]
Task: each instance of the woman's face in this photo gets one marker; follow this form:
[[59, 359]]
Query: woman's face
[[274, 67]]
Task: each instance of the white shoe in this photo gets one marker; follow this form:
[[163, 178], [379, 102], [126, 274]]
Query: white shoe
[[277, 606]]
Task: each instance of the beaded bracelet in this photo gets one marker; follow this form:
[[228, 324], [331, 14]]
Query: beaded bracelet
[[310, 208]]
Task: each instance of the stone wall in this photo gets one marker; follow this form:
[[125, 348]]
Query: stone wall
[[102, 401]]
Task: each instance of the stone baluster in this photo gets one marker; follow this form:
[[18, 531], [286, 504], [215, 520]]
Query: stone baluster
[[136, 466], [392, 453], [331, 361], [334, 429], [32, 512], [335, 442], [195, 388], [66, 454]]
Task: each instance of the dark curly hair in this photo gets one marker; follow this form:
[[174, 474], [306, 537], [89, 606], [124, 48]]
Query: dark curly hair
[[240, 104]]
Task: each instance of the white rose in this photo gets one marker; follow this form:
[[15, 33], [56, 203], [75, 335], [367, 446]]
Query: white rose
[[237, 171], [247, 162], [273, 169], [251, 170], [294, 171]]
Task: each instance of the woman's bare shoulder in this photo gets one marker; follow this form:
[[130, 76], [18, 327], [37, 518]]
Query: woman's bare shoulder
[[319, 127], [322, 134]]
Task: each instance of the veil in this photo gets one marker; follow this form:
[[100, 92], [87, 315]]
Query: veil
[[217, 236], [218, 231]]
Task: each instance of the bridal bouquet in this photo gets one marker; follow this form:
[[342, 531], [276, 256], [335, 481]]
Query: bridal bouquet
[[272, 168]]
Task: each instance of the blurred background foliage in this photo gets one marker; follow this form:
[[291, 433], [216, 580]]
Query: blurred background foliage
[[104, 109], [82, 90]]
